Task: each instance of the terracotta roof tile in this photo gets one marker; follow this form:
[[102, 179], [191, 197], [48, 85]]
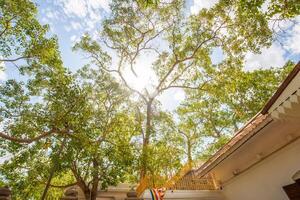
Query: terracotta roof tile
[[247, 130]]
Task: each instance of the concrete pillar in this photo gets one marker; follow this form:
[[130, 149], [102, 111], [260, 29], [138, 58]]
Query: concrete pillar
[[132, 195], [5, 193], [70, 194]]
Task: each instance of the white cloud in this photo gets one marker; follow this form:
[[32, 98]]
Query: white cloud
[[269, 57], [76, 15], [288, 33], [179, 95], [265, 6], [95, 16], [200, 4], [81, 8], [3, 75], [51, 14], [68, 28], [74, 7], [293, 42], [90, 25], [76, 25], [171, 99], [74, 39], [96, 4]]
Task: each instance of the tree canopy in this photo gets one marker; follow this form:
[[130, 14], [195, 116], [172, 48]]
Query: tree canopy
[[227, 102], [92, 128], [23, 38]]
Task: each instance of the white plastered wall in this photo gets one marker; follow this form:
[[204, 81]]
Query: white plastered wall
[[265, 180]]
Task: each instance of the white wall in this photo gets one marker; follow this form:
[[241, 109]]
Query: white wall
[[112, 195], [188, 195], [265, 180]]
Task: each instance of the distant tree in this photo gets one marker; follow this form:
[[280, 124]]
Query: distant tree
[[190, 138], [164, 150], [23, 39], [282, 9], [232, 98]]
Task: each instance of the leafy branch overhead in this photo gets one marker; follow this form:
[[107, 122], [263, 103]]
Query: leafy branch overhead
[[92, 128]]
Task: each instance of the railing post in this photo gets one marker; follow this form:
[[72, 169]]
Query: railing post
[[215, 182], [5, 193]]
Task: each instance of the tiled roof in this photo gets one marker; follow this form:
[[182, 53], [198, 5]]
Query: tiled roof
[[242, 134]]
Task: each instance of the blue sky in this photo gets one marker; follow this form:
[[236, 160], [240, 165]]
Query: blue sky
[[70, 19]]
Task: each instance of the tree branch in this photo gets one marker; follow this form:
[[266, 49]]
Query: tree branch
[[6, 26], [200, 87], [24, 140], [14, 59], [158, 88]]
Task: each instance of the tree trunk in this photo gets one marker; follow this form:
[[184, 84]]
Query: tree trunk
[[189, 152], [53, 170], [95, 180], [146, 139], [89, 194]]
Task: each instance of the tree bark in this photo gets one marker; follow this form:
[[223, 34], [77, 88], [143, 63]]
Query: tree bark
[[89, 194], [48, 185], [189, 152], [146, 139], [95, 181], [81, 183]]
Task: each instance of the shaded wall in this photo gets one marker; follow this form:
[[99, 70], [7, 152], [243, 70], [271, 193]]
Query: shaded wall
[[265, 180]]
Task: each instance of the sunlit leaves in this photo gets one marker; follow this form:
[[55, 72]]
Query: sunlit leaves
[[22, 38], [229, 100]]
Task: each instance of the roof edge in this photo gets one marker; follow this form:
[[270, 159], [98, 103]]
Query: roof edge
[[281, 88], [231, 143]]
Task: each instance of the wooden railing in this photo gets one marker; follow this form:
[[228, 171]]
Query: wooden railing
[[183, 180], [184, 170], [190, 182]]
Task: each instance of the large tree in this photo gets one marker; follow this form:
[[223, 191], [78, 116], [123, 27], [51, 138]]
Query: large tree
[[81, 126], [177, 45], [62, 125]]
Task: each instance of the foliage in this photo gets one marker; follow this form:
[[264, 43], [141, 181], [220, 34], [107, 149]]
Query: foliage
[[282, 8], [22, 38], [92, 128], [229, 100], [90, 114], [55, 123], [133, 31]]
